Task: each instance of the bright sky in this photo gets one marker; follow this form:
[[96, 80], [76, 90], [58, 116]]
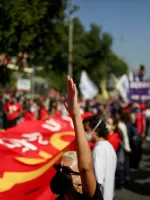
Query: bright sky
[[127, 20]]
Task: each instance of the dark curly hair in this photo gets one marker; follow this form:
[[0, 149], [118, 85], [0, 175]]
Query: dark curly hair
[[101, 130]]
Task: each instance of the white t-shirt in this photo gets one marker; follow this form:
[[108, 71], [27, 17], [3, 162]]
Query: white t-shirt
[[105, 161], [147, 113], [124, 130]]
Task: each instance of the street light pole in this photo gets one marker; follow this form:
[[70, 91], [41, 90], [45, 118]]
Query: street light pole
[[70, 40]]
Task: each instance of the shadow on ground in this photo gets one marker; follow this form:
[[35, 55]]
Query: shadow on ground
[[139, 188], [140, 183], [140, 175]]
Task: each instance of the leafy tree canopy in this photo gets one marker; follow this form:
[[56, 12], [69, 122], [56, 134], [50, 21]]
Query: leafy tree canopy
[[40, 28]]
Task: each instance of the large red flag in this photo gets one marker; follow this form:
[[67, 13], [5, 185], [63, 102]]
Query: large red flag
[[27, 154]]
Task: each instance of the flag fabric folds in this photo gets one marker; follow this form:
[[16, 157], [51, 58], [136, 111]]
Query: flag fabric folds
[[27, 153], [87, 87]]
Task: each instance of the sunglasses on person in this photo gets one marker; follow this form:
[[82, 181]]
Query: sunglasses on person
[[65, 169]]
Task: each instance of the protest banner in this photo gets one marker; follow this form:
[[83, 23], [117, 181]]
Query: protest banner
[[27, 154], [23, 84], [139, 92]]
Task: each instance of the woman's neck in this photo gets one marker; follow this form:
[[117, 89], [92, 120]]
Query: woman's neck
[[99, 139]]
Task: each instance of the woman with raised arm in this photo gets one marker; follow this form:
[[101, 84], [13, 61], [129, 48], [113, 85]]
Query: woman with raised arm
[[66, 172]]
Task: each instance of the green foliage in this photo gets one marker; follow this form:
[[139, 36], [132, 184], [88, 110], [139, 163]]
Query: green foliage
[[116, 65], [39, 28], [5, 75], [30, 26]]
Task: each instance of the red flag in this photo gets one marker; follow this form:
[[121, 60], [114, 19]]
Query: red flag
[[28, 152]]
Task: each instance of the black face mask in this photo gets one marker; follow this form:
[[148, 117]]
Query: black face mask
[[60, 183]]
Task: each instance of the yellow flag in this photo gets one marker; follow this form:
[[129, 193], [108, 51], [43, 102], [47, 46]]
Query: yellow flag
[[104, 90]]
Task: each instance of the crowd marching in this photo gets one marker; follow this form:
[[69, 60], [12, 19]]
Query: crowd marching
[[114, 131]]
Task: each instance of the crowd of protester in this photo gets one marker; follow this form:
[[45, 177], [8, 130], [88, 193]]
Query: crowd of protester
[[116, 131], [112, 129]]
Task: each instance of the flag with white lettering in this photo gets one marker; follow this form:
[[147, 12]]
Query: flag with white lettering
[[27, 154]]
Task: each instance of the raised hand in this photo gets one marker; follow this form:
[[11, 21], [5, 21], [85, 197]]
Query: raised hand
[[71, 100]]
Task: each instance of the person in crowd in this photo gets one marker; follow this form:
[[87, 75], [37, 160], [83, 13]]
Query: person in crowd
[[125, 149], [134, 139], [122, 126], [106, 112], [140, 124], [64, 182], [28, 111], [104, 156], [114, 106], [53, 104], [42, 112], [29, 115], [82, 105], [68, 162], [141, 119], [61, 111], [1, 111], [47, 103], [115, 137], [141, 73], [114, 134], [147, 115], [87, 106], [13, 111], [25, 103], [126, 107], [138, 76]]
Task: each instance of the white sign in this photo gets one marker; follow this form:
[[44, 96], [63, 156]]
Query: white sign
[[24, 84]]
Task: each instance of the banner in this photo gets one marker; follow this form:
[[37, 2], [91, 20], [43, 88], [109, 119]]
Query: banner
[[27, 154], [24, 84], [87, 87], [139, 92]]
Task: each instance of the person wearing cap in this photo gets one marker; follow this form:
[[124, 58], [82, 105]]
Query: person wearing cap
[[77, 171], [104, 155]]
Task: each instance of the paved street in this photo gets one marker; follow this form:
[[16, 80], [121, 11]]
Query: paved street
[[139, 187]]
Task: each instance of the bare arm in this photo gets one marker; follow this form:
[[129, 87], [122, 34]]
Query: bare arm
[[82, 147], [84, 158]]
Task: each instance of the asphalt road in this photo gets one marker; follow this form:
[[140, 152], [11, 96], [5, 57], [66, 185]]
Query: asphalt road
[[139, 187]]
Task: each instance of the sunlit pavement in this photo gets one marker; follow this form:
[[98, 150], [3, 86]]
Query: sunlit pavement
[[139, 187]]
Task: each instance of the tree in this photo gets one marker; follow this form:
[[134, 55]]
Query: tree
[[93, 53], [35, 27], [32, 26], [98, 45], [116, 65], [5, 75], [39, 28], [79, 49]]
